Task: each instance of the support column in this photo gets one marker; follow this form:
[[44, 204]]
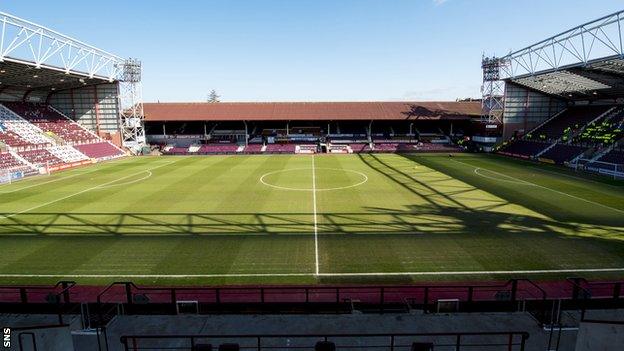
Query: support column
[[73, 104], [246, 134], [96, 103]]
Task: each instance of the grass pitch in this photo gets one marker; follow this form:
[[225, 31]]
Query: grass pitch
[[310, 219]]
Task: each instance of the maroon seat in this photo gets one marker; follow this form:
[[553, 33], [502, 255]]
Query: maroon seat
[[253, 149], [357, 148], [40, 157], [9, 162], [216, 148], [51, 121], [100, 150], [281, 148], [386, 147]]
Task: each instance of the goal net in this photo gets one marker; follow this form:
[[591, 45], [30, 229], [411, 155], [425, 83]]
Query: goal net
[[5, 176], [605, 168]]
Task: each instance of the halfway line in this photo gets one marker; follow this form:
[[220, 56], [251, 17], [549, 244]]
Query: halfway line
[[316, 247]]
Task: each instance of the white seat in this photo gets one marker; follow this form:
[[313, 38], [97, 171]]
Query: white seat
[[67, 153]]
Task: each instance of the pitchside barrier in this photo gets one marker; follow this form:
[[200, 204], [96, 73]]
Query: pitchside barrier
[[508, 341], [383, 296], [543, 300], [41, 299], [588, 293]]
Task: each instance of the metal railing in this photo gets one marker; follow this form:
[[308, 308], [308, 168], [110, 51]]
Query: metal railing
[[512, 290], [56, 297], [508, 340]]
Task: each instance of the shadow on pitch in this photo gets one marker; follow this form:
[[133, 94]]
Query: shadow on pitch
[[440, 190], [444, 207], [427, 219]]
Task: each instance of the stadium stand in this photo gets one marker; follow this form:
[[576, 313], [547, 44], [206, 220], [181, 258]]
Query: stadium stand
[[613, 156], [386, 147], [225, 148], [580, 131], [100, 150], [603, 132], [523, 148], [253, 149], [194, 148], [561, 153], [572, 119], [10, 162], [430, 147], [52, 122], [11, 139], [41, 157], [177, 151], [306, 149], [26, 135], [357, 148], [67, 153], [280, 149], [275, 127], [43, 136]]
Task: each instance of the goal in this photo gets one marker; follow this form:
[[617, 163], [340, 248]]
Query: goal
[[5, 176], [614, 170]]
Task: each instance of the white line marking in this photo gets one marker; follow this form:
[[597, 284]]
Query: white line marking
[[43, 183], [536, 271], [234, 275], [95, 169], [83, 191], [39, 177], [563, 173], [149, 174], [225, 275], [316, 246], [545, 187], [263, 181], [476, 171]]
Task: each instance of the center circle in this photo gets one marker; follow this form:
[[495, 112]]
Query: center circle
[[319, 172]]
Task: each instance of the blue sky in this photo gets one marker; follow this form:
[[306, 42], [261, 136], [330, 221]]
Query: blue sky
[[310, 50]]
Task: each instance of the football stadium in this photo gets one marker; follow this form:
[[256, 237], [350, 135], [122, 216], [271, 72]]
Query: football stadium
[[117, 210]]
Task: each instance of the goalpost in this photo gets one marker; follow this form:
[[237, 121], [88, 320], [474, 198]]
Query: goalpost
[[5, 176], [605, 168], [9, 176]]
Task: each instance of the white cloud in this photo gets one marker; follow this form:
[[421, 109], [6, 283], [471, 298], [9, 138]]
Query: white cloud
[[439, 2]]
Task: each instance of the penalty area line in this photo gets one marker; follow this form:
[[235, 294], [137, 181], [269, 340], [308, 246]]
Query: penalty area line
[[84, 191], [543, 187], [371, 274]]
